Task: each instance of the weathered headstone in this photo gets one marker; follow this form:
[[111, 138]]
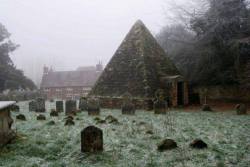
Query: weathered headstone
[[70, 107], [69, 122], [166, 144], [40, 105], [41, 117], [54, 113], [198, 144], [21, 117], [32, 106], [206, 107], [241, 109], [59, 106], [160, 105], [15, 108], [128, 107], [91, 139], [83, 104], [93, 106]]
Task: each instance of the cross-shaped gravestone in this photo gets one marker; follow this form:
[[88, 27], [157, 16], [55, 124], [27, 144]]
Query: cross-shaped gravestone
[[91, 139]]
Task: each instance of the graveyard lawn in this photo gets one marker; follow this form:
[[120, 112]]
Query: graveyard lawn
[[128, 143]]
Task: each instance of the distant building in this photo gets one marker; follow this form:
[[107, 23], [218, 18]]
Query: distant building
[[69, 84]]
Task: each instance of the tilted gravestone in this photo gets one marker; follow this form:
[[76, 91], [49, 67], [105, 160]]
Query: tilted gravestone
[[91, 139], [32, 106], [93, 106], [59, 106], [83, 104], [160, 105], [128, 107], [70, 106], [40, 105]]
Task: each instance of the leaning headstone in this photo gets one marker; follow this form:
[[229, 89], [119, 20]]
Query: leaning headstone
[[83, 104], [160, 105], [91, 139], [32, 106], [166, 144], [128, 107], [241, 109], [59, 106], [21, 117], [40, 105], [93, 106], [70, 107]]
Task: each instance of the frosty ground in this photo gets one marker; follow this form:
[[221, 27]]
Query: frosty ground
[[128, 143]]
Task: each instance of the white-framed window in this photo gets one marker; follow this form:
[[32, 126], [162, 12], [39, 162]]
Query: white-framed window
[[86, 89], [69, 89], [58, 90]]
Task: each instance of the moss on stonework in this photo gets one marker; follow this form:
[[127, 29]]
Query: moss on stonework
[[137, 66]]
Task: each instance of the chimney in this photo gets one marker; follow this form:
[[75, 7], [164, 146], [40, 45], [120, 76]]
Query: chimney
[[99, 67], [45, 70]]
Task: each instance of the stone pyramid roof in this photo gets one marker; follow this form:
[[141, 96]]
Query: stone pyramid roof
[[136, 67]]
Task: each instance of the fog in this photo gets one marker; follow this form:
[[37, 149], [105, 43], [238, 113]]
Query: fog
[[66, 34]]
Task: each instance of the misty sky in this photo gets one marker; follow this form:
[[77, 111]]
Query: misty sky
[[71, 33]]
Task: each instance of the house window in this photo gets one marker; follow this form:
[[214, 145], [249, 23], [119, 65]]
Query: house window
[[86, 89], [58, 90], [69, 89]]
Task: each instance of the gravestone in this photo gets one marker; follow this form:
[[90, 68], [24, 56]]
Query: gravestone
[[41, 117], [32, 106], [54, 113], [198, 144], [21, 117], [40, 105], [91, 139], [166, 144], [128, 107], [15, 108], [241, 109], [160, 105], [83, 105], [59, 106], [93, 106], [70, 106]]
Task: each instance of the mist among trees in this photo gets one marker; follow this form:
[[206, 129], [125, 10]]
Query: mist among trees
[[10, 76], [207, 49]]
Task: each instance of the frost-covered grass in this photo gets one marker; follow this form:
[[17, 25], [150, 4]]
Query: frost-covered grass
[[127, 144]]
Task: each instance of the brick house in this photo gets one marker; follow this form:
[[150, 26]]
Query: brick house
[[69, 84]]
